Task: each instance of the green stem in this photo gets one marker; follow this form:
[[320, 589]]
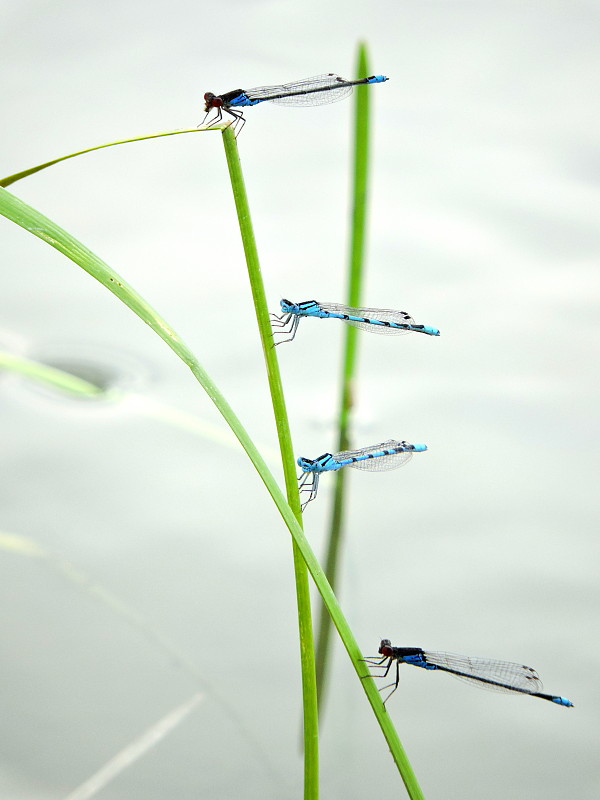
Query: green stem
[[309, 691], [32, 170], [357, 246]]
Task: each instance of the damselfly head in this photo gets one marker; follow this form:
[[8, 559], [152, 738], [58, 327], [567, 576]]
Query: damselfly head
[[286, 305], [385, 647], [305, 464], [212, 101]]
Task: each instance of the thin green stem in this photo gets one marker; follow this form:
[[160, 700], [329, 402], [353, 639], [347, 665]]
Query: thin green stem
[[357, 246], [32, 170], [307, 657]]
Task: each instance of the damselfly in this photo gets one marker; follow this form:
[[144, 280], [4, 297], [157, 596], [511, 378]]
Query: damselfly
[[376, 458], [500, 676], [315, 91], [377, 320]]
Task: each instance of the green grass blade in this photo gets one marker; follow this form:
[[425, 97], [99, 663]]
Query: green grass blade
[[33, 221], [307, 652], [32, 170], [357, 246]]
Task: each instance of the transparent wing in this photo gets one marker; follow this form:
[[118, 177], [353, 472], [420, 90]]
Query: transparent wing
[[383, 314], [322, 89], [381, 464], [516, 676]]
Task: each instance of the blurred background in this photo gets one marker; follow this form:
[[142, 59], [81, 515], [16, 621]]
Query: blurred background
[[130, 583]]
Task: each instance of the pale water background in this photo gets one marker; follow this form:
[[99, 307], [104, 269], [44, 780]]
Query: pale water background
[[483, 222]]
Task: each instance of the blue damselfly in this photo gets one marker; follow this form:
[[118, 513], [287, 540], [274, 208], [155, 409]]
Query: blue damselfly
[[317, 91], [499, 676]]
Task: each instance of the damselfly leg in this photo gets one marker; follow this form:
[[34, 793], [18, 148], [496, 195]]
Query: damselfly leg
[[282, 322], [308, 482], [374, 662], [238, 117]]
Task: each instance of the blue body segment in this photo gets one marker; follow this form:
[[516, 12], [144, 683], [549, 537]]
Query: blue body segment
[[316, 91], [375, 458], [418, 660], [243, 100], [562, 701], [499, 676], [375, 320]]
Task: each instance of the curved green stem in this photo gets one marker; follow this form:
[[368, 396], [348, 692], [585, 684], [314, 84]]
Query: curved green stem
[[32, 170]]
